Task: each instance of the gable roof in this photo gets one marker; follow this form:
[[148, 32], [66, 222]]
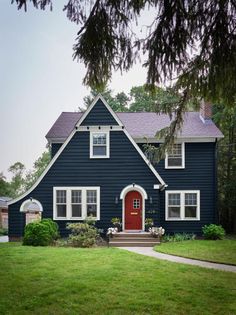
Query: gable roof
[[140, 125], [73, 131]]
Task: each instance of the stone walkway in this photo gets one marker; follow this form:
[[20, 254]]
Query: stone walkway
[[148, 251], [3, 239]]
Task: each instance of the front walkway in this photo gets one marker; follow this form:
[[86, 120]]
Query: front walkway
[[148, 251], [4, 239]]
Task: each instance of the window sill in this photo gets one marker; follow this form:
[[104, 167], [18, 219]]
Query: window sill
[[176, 219]]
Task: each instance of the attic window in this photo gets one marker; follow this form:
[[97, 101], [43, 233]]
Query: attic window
[[99, 145], [176, 157]]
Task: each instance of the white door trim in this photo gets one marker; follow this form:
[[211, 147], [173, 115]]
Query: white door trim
[[123, 194]]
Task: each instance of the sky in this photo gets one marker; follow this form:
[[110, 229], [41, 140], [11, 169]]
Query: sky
[[39, 79]]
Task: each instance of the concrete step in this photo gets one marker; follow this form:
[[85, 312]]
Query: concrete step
[[132, 235], [136, 239], [133, 244]]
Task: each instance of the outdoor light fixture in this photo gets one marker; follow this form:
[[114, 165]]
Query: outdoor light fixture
[[150, 199], [116, 200]]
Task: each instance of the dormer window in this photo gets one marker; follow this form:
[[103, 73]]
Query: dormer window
[[175, 158], [99, 145]]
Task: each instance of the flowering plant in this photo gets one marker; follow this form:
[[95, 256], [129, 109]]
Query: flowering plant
[[156, 231], [111, 231]]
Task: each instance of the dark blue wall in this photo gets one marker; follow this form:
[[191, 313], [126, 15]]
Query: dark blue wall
[[198, 174], [74, 168], [99, 115], [54, 148]]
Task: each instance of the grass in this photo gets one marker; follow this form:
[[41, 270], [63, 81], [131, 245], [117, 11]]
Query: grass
[[50, 280], [223, 251]]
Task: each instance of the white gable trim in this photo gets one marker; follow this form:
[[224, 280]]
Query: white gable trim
[[53, 160], [99, 96], [144, 158], [70, 137]]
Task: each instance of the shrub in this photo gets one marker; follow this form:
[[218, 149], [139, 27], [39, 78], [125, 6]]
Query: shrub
[[53, 228], [3, 231], [179, 237], [37, 234], [82, 234], [213, 232]]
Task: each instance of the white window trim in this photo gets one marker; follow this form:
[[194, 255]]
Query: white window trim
[[182, 204], [69, 205], [183, 158], [107, 156]]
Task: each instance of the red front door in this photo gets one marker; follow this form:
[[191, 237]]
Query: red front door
[[133, 211]]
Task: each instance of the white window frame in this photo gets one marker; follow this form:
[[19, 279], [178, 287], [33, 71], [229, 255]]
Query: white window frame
[[182, 205], [69, 203], [183, 158], [107, 133]]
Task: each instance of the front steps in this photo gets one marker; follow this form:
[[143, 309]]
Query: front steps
[[136, 239]]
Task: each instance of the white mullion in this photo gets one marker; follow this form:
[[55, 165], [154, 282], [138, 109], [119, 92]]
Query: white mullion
[[83, 202], [68, 204]]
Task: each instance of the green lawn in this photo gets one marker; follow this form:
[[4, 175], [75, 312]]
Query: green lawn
[[223, 251], [107, 281]]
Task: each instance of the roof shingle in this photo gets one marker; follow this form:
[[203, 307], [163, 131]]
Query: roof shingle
[[140, 125]]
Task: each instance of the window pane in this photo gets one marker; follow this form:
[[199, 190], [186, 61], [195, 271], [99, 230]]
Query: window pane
[[176, 150], [174, 212], [136, 203], [99, 138], [190, 212], [99, 150], [91, 196], [174, 199], [191, 199], [76, 196], [174, 161], [92, 210], [61, 196], [76, 211], [61, 211]]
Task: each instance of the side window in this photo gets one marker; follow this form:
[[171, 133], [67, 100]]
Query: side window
[[183, 205], [99, 145], [175, 158]]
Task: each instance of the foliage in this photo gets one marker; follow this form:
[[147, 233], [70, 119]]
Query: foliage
[[82, 234], [119, 102], [90, 220], [189, 45], [17, 182], [225, 119], [213, 232], [53, 228], [116, 221], [37, 234], [3, 231], [66, 281], [149, 222], [157, 231], [178, 237], [39, 166], [209, 250]]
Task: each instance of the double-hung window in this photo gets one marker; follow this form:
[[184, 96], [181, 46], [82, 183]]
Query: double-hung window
[[99, 144], [182, 205], [175, 158], [76, 203]]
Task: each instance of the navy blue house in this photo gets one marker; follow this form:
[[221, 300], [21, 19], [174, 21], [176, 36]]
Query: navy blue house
[[99, 169]]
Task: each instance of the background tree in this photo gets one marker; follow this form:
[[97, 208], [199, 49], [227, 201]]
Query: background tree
[[119, 102], [17, 182], [39, 166], [5, 189], [225, 118]]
